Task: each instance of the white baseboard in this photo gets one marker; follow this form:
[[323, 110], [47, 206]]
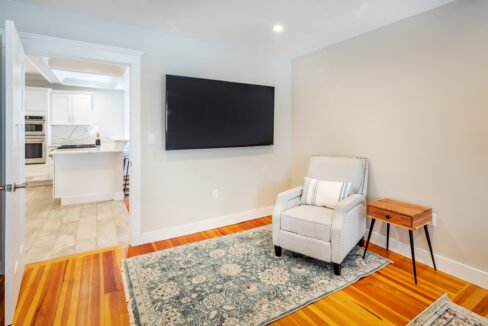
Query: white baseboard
[[91, 198], [39, 183], [444, 264], [208, 224]]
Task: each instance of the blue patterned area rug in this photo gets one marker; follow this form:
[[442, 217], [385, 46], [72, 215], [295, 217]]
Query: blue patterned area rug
[[232, 280], [445, 312]]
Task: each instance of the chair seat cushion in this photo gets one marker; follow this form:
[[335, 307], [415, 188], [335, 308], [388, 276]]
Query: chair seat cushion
[[309, 221]]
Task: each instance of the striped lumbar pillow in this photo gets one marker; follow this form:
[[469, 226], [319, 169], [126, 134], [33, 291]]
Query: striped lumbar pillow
[[324, 193]]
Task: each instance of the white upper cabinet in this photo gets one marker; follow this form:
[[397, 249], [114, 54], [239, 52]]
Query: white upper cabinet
[[81, 109], [37, 100], [71, 109], [60, 109]]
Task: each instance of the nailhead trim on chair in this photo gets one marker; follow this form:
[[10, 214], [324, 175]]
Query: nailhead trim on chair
[[365, 171]]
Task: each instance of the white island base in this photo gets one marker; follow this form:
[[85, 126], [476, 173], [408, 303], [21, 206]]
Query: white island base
[[88, 175]]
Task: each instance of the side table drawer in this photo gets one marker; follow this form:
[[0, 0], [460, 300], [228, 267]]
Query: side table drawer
[[390, 217]]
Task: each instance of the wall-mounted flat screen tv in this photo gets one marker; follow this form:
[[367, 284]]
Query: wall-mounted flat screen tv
[[204, 113]]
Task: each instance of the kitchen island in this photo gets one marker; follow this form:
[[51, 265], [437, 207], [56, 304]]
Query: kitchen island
[[87, 175]]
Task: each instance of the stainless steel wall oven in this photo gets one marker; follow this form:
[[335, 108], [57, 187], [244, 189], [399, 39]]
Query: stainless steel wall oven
[[35, 125], [35, 139]]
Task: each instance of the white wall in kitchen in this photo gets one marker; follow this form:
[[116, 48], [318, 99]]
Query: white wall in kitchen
[[107, 115]]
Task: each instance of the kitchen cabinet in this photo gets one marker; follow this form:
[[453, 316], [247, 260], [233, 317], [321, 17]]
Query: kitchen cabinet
[[37, 103], [37, 100], [60, 109], [81, 109], [71, 109], [36, 172]]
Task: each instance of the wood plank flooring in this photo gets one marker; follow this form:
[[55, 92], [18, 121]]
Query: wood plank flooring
[[87, 289], [127, 202]]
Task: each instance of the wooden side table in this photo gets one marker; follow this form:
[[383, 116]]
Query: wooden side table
[[405, 215]]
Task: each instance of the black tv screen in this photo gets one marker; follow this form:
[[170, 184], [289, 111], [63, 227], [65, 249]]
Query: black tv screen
[[204, 113]]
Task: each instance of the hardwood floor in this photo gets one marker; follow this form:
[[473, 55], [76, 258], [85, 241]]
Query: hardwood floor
[[86, 289], [126, 202]]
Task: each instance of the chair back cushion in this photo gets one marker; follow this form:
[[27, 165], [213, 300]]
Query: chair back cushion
[[324, 193], [342, 169]]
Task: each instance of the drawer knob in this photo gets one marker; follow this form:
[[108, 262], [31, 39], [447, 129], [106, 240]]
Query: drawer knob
[[387, 217]]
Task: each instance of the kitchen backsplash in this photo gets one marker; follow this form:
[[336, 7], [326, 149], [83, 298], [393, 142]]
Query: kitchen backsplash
[[69, 135]]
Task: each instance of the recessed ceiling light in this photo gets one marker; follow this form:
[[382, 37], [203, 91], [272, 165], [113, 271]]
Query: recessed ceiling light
[[278, 28]]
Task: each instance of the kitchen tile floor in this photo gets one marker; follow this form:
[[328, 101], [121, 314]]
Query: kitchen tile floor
[[52, 230]]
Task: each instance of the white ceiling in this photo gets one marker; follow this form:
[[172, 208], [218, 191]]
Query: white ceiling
[[89, 67], [80, 73], [308, 24]]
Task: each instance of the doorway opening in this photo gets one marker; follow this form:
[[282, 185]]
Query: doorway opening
[[15, 48], [77, 156]]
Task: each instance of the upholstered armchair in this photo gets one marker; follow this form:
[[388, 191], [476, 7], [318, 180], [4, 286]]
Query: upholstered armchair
[[319, 232]]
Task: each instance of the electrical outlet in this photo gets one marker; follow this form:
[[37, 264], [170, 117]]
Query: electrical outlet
[[215, 194], [434, 220]]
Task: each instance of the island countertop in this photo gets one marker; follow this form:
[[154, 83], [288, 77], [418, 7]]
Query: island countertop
[[86, 151]]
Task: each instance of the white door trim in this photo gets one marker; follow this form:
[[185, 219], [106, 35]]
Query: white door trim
[[43, 45]]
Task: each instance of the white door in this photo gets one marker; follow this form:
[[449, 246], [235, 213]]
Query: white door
[[61, 109], [81, 109], [13, 167]]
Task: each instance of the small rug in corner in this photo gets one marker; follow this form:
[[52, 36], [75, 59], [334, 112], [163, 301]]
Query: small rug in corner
[[232, 280], [445, 312]]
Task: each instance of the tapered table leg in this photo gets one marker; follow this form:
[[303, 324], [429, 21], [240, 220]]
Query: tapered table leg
[[430, 245], [387, 236], [410, 233], [369, 236]]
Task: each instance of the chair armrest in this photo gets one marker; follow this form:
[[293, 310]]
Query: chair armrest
[[285, 200], [348, 226], [290, 194], [349, 203]]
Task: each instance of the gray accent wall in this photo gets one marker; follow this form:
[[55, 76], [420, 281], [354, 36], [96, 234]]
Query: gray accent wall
[[413, 98]]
